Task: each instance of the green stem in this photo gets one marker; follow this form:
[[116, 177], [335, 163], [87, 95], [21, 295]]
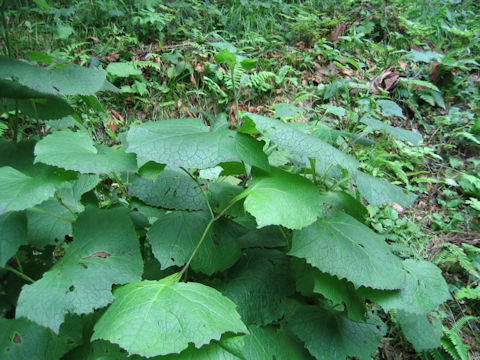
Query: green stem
[[201, 189], [314, 173], [15, 122], [59, 199], [207, 228], [20, 267], [120, 184], [235, 95], [22, 275], [6, 37], [43, 211]]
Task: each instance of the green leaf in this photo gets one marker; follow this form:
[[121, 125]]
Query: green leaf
[[190, 144], [267, 343], [99, 350], [424, 290], [281, 198], [335, 110], [79, 154], [172, 189], [175, 235], [121, 69], [390, 108], [225, 56], [423, 56], [151, 318], [71, 193], [13, 234], [283, 110], [342, 201], [329, 335], [105, 251], [19, 191], [248, 64], [422, 333], [340, 245], [22, 339], [44, 227], [258, 284], [303, 145], [397, 133], [64, 79], [339, 292], [215, 350], [379, 192]]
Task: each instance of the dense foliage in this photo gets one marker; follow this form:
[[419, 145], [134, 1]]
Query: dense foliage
[[233, 181]]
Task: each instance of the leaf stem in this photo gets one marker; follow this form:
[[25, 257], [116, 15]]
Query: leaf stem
[[121, 186], [20, 274], [65, 205], [43, 211], [20, 267], [314, 174], [204, 194], [207, 228]]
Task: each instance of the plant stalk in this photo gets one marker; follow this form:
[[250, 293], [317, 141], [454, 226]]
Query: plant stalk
[[6, 37], [20, 274]]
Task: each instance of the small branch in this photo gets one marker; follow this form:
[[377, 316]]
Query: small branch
[[20, 274], [204, 194]]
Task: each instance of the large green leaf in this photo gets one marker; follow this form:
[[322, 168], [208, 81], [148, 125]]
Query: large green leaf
[[331, 336], [105, 251], [189, 143], [340, 245], [397, 133], [76, 151], [22, 339], [379, 192], [64, 79], [32, 103], [175, 235], [303, 145], [281, 198], [13, 234], [151, 318], [424, 290], [267, 343], [172, 189], [258, 284], [422, 333], [48, 223], [19, 191]]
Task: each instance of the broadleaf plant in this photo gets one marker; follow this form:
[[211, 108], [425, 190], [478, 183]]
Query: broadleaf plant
[[187, 240]]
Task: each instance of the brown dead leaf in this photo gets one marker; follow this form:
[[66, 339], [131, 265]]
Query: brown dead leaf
[[199, 68], [100, 254], [111, 58], [116, 115], [192, 79], [347, 72], [386, 81], [339, 31], [403, 64], [95, 39], [112, 126]]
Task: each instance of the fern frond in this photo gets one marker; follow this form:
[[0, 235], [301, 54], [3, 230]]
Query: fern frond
[[456, 254], [261, 80]]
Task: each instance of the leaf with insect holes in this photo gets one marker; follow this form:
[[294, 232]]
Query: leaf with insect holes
[[175, 235], [281, 198], [303, 145], [331, 335], [424, 289], [105, 251], [340, 245], [80, 154], [152, 318], [422, 333], [189, 143], [23, 339], [13, 234]]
